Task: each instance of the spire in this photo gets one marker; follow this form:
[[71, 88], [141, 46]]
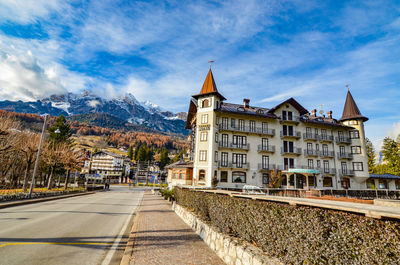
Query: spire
[[351, 111], [209, 86]]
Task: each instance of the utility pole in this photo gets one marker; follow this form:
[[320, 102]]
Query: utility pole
[[37, 157]]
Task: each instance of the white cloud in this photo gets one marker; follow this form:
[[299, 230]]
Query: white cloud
[[394, 132]]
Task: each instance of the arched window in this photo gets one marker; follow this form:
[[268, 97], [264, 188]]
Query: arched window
[[202, 175], [239, 177], [205, 103]]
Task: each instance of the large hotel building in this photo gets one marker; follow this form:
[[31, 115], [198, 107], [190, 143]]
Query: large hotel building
[[240, 144]]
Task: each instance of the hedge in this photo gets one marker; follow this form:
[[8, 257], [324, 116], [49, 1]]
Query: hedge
[[298, 234]]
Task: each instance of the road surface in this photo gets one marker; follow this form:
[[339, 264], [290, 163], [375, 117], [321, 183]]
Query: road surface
[[88, 229]]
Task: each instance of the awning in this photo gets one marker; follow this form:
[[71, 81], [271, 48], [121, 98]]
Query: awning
[[303, 171], [384, 176]]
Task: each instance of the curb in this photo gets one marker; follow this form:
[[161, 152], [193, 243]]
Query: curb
[[24, 202], [127, 256]]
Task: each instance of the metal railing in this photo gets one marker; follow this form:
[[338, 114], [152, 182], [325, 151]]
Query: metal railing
[[325, 138], [266, 148], [234, 146], [327, 154], [344, 155], [246, 129], [310, 136], [346, 172], [310, 152], [296, 151], [293, 134], [292, 119], [262, 166], [343, 140], [330, 171], [234, 165]]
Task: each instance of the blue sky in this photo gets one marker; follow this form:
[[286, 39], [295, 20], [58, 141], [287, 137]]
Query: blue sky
[[159, 51]]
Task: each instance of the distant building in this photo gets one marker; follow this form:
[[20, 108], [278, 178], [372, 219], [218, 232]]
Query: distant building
[[180, 173], [238, 144]]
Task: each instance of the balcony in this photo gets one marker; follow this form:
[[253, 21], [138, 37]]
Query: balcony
[[291, 120], [344, 156], [329, 171], [294, 151], [311, 153], [294, 134], [325, 138], [245, 147], [343, 140], [266, 149], [233, 165], [327, 154], [346, 172], [262, 167], [246, 129], [310, 136]]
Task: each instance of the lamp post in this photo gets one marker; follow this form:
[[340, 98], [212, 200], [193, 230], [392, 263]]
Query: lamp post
[[38, 155]]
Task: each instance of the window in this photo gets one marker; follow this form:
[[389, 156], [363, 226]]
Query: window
[[287, 115], [203, 136], [310, 163], [317, 147], [225, 140], [354, 134], [309, 147], [353, 122], [238, 177], [288, 163], [356, 149], [216, 137], [323, 133], [341, 150], [216, 156], [241, 125], [316, 131], [176, 176], [205, 103], [265, 178], [224, 176], [344, 167], [383, 184], [288, 130], [340, 135], [264, 127], [233, 123], [202, 175], [224, 159], [225, 122], [252, 126], [203, 155], [326, 166], [181, 176], [288, 147], [371, 184], [204, 118], [327, 182], [308, 132], [239, 160], [239, 141], [358, 166], [264, 144], [345, 183], [265, 162], [325, 149], [318, 163]]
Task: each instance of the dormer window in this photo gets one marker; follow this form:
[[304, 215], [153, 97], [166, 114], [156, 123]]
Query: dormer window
[[260, 111], [205, 103], [240, 109]]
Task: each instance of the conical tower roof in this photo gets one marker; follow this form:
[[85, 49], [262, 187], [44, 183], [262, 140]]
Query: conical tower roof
[[351, 111], [209, 87]]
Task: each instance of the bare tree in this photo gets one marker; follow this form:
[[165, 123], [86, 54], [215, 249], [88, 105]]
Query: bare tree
[[276, 178], [52, 157], [28, 145], [72, 160]]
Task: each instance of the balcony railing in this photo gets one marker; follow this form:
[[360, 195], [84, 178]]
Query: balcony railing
[[234, 146], [294, 151], [310, 152], [310, 136], [330, 171], [294, 119], [294, 134], [233, 165], [262, 166], [343, 140], [346, 172], [325, 138], [327, 154], [266, 148], [344, 155], [246, 129]]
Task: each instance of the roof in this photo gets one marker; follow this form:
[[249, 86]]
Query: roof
[[191, 113], [180, 164], [292, 102], [109, 153], [350, 110], [323, 121], [384, 176], [209, 87], [240, 109]]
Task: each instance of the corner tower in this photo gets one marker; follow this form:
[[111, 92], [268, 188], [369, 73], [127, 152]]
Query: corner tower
[[352, 117], [208, 100]]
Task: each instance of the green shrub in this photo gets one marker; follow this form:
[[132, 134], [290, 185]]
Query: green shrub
[[167, 193], [298, 234]]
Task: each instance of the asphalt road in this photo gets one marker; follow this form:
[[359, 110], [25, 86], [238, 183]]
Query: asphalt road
[[89, 229]]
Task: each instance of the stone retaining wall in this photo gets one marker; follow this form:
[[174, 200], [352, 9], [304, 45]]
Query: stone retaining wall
[[229, 249]]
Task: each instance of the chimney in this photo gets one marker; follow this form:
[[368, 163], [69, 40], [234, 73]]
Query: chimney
[[329, 114], [314, 113], [246, 102]]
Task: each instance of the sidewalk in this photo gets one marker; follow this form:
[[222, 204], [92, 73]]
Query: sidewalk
[[161, 237]]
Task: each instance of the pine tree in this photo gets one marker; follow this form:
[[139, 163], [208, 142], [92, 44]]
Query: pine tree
[[60, 131], [370, 155], [391, 155], [142, 153], [164, 159], [130, 152]]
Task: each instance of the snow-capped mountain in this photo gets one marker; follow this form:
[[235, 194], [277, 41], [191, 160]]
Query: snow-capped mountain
[[126, 108]]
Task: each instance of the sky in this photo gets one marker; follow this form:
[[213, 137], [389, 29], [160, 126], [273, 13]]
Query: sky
[[265, 50]]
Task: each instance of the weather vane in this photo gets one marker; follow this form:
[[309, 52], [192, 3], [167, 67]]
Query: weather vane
[[210, 61]]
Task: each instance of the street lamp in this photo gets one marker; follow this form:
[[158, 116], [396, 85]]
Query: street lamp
[[38, 153]]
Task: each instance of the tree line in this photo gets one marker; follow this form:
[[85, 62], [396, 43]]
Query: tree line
[[19, 147], [391, 157]]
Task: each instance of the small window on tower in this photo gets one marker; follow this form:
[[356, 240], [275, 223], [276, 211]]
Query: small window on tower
[[205, 103]]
